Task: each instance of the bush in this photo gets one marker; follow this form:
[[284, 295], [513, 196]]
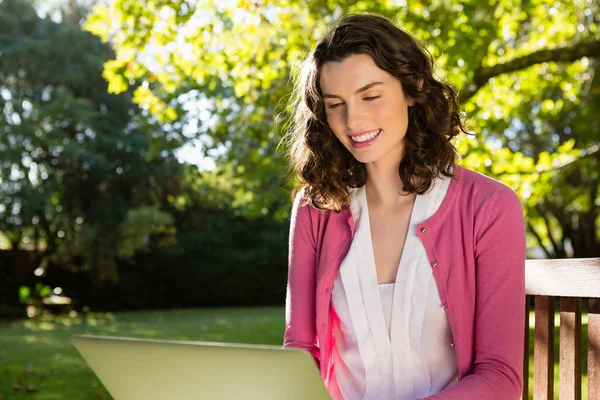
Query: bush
[[226, 261]]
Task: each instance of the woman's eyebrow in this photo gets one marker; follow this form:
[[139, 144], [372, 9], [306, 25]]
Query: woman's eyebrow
[[357, 91]]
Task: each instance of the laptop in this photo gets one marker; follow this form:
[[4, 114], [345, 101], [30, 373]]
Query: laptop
[[136, 369]]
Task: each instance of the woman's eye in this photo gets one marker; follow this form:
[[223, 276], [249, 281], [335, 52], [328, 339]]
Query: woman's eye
[[371, 98], [335, 105]]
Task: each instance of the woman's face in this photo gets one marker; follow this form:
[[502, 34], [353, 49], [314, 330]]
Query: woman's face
[[366, 108]]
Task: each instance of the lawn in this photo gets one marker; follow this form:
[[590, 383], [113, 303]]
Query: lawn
[[37, 361], [36, 354]]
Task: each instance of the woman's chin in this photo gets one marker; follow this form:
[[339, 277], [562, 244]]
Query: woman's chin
[[365, 158]]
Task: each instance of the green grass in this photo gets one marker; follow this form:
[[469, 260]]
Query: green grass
[[36, 353]]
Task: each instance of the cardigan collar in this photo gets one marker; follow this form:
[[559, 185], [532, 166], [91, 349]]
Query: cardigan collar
[[435, 219]]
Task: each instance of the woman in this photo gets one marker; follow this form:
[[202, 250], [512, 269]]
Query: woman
[[406, 271]]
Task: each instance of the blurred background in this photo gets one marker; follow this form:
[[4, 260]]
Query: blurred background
[[144, 190]]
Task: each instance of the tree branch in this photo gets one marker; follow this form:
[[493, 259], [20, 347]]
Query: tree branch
[[15, 241], [593, 150], [539, 239], [542, 213], [589, 219], [592, 213], [590, 151], [561, 54]]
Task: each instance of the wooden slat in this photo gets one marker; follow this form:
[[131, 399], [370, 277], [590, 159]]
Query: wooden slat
[[576, 277], [525, 393], [594, 349], [543, 349], [570, 348]]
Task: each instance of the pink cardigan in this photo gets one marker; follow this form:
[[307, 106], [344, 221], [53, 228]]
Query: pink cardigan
[[476, 246]]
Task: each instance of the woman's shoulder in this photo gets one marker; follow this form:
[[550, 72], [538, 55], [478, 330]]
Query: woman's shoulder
[[302, 200], [302, 205], [482, 188]]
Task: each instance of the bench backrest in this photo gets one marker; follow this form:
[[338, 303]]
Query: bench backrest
[[576, 282]]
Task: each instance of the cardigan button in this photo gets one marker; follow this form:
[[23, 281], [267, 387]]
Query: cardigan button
[[423, 229], [434, 264], [452, 344], [444, 305], [457, 379]]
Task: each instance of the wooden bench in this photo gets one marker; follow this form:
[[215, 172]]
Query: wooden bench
[[575, 282]]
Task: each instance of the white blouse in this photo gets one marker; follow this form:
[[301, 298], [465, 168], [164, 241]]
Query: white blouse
[[391, 344]]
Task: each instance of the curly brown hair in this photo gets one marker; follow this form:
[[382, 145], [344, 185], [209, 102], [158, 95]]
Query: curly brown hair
[[325, 168]]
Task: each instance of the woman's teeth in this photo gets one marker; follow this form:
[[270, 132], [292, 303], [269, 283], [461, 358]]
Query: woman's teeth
[[366, 136]]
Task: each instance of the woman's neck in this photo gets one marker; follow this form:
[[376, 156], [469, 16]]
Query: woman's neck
[[384, 186]]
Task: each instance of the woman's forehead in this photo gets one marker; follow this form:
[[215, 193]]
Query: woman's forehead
[[351, 74]]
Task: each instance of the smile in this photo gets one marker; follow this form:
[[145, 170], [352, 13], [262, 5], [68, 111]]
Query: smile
[[366, 136], [365, 139]]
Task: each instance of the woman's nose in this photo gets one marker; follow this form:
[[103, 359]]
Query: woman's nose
[[354, 118]]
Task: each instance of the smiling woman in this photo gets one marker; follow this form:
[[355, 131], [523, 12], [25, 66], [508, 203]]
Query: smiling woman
[[400, 261], [376, 112], [368, 72]]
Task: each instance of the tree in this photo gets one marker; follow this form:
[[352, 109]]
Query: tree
[[525, 73], [78, 181]]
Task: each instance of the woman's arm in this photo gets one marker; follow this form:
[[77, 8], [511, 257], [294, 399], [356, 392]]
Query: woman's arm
[[300, 325], [500, 303]]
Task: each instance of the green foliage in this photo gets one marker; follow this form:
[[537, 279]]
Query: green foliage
[[136, 229], [89, 183], [24, 293], [524, 72], [76, 182]]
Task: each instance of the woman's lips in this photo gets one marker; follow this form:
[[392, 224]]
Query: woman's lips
[[366, 143]]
